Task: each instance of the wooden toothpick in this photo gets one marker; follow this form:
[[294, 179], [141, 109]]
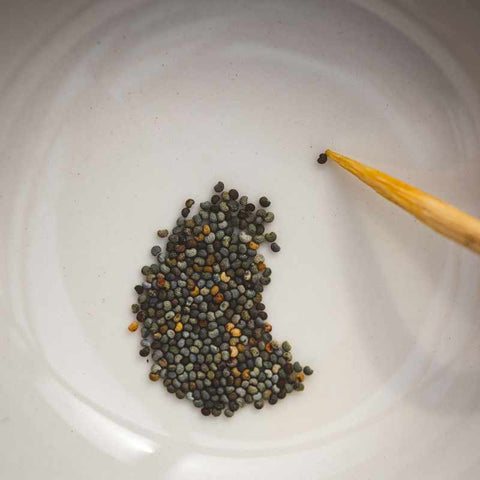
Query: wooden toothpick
[[437, 214]]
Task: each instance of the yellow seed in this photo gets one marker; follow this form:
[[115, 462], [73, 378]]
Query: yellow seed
[[154, 377], [214, 290], [133, 326], [246, 374], [253, 245], [229, 326], [233, 351], [195, 291], [179, 327], [301, 376], [241, 347], [235, 332], [236, 372], [206, 229], [224, 277]]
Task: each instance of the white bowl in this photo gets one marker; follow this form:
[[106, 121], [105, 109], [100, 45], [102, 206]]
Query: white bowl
[[113, 113]]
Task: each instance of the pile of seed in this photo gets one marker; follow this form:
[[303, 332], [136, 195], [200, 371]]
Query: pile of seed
[[201, 312]]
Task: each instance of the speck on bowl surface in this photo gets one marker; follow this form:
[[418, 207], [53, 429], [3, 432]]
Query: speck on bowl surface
[[113, 113]]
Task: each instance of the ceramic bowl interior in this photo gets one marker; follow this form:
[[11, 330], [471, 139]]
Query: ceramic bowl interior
[[113, 113]]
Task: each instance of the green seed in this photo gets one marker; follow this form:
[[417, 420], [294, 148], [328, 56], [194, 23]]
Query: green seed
[[269, 217], [264, 202], [270, 236]]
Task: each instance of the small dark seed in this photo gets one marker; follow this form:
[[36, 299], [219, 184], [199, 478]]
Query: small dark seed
[[322, 158], [264, 202], [307, 370], [144, 351], [233, 194], [275, 247], [218, 188]]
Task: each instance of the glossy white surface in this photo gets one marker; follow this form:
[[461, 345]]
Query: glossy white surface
[[112, 113]]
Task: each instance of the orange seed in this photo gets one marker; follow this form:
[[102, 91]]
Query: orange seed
[[218, 298], [133, 326], [179, 327], [195, 291]]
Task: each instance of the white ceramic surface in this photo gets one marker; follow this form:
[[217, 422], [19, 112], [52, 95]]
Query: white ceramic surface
[[112, 113]]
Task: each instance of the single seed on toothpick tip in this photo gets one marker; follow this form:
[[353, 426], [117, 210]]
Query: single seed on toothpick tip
[[322, 158]]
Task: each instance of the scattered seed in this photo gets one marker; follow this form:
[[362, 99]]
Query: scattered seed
[[307, 370], [275, 247], [133, 326], [270, 236], [264, 202], [162, 233], [219, 187]]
